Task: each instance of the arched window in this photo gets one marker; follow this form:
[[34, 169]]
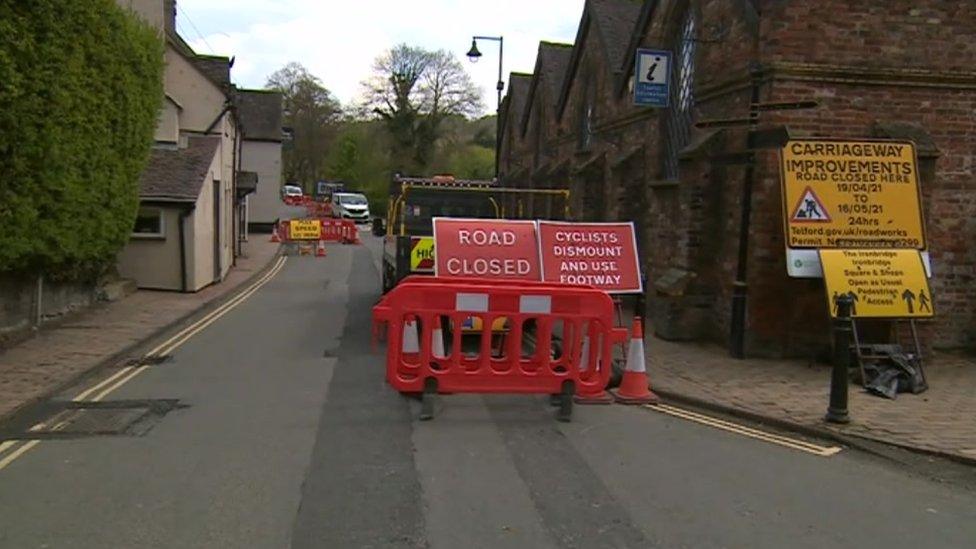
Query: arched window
[[586, 120], [679, 116]]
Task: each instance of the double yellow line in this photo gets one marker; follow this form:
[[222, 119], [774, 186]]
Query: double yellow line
[[105, 387], [795, 444]]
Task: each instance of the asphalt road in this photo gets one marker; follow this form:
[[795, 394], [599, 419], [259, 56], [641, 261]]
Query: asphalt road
[[285, 434]]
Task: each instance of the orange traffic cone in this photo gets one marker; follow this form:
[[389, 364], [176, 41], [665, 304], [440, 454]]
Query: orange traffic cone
[[411, 343], [437, 345], [320, 249], [274, 234], [634, 386], [589, 395], [409, 350], [437, 339]]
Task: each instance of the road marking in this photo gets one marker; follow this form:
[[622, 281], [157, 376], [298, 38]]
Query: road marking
[[231, 305], [84, 394], [129, 373], [17, 453], [6, 445], [119, 383], [796, 444], [220, 311]]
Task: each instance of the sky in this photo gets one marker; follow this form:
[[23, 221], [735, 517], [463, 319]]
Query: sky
[[337, 40]]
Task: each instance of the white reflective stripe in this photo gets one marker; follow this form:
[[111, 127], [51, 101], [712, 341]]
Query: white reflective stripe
[[535, 304], [475, 303]]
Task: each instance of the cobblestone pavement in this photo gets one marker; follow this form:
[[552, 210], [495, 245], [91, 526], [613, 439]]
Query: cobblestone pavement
[[939, 420], [57, 354]]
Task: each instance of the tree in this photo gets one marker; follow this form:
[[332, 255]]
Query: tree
[[413, 91], [361, 159], [312, 114], [76, 128]]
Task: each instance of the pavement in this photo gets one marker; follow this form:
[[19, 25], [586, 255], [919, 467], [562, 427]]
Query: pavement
[[791, 392], [281, 432], [58, 354]]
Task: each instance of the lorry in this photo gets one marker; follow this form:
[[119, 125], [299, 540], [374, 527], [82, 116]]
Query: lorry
[[408, 244], [325, 189]]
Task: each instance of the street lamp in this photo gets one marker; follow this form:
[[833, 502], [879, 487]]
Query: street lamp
[[474, 54]]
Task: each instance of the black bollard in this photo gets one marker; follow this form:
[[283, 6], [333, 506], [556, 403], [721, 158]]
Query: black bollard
[[837, 409]]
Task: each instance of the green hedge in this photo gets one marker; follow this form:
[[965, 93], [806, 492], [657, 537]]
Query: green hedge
[[80, 92]]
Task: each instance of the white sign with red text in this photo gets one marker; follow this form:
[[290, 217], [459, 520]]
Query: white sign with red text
[[603, 255], [486, 248]]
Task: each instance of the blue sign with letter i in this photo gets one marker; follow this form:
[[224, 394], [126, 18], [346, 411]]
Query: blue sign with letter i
[[652, 77]]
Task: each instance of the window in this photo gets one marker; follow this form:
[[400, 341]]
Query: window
[[586, 118], [679, 116], [537, 139], [586, 124], [149, 224]]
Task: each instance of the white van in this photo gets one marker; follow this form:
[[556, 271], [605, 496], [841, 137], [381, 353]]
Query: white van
[[292, 191], [351, 206]]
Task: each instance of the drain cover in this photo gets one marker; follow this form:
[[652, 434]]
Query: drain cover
[[77, 419], [147, 360], [93, 421]]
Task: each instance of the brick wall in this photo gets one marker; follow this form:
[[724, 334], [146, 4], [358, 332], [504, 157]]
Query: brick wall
[[872, 66]]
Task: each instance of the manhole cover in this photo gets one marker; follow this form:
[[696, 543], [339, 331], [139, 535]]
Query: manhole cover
[[63, 419], [93, 421]]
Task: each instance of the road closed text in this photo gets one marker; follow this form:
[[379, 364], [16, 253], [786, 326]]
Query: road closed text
[[488, 267], [486, 248]]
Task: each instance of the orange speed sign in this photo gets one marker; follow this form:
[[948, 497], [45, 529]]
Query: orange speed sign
[[851, 194]]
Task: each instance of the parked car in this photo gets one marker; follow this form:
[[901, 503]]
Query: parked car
[[291, 194], [352, 206]]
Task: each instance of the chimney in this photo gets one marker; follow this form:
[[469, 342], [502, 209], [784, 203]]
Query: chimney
[[169, 16]]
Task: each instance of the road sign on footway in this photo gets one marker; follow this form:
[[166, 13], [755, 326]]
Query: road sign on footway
[[851, 194], [880, 283]]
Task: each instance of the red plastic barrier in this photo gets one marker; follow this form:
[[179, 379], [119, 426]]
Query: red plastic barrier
[[340, 230], [319, 209], [547, 311]]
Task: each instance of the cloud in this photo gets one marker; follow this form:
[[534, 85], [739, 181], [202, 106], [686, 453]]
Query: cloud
[[338, 40]]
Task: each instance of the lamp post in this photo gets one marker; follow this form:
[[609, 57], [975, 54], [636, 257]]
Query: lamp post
[[474, 55]]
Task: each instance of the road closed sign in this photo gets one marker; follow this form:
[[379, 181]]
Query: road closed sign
[[486, 248], [880, 283], [603, 255], [851, 194]]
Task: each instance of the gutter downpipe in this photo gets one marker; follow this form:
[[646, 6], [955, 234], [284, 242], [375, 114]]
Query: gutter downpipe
[[183, 215]]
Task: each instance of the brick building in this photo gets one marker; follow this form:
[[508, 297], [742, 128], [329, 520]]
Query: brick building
[[888, 69]]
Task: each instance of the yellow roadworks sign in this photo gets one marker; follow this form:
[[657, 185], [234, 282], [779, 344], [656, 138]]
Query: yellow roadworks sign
[[881, 283], [851, 194], [305, 229], [422, 254]]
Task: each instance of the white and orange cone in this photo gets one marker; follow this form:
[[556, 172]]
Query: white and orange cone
[[411, 342], [437, 339], [320, 249], [409, 349], [635, 386], [274, 234], [587, 395]]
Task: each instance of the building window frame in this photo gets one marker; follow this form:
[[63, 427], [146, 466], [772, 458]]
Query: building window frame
[[679, 117], [156, 226]]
